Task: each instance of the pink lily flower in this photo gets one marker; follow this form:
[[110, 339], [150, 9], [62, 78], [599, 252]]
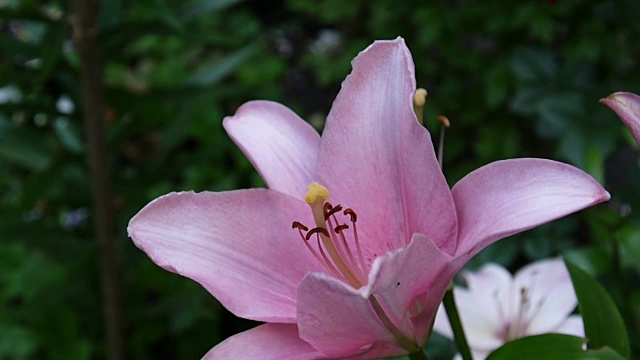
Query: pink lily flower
[[627, 107], [496, 308], [362, 276]]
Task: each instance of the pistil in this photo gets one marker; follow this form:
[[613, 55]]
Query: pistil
[[333, 248]]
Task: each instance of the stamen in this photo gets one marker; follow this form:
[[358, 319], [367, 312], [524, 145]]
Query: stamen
[[334, 250], [445, 124], [302, 228], [351, 213], [419, 101], [503, 330], [316, 231], [340, 228], [298, 225], [444, 121], [343, 247], [354, 217], [327, 262], [330, 210]]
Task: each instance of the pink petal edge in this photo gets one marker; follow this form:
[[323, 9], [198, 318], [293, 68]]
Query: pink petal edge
[[411, 283], [509, 196], [376, 156], [238, 245], [268, 341], [282, 147], [339, 321], [627, 107]]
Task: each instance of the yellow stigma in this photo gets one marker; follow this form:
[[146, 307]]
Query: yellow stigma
[[419, 100], [316, 196], [316, 193]]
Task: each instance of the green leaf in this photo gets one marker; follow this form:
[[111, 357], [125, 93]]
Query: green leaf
[[199, 8], [527, 100], [11, 45], [550, 347], [51, 49], [594, 259], [23, 148], [24, 13], [110, 13], [603, 324], [629, 240], [211, 73], [68, 135], [594, 162], [533, 65], [164, 13]]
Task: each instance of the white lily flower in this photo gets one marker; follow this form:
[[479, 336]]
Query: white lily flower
[[496, 308]]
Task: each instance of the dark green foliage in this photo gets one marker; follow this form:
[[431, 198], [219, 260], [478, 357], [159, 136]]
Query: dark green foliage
[[551, 347], [603, 324], [516, 79]]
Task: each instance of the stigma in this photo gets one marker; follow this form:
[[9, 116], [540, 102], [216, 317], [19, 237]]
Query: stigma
[[334, 239]]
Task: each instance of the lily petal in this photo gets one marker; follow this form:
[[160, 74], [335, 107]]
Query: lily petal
[[627, 106], [480, 307], [269, 341], [490, 280], [550, 294], [376, 156], [338, 320], [282, 147], [238, 245], [574, 325], [480, 317], [510, 196], [411, 282]]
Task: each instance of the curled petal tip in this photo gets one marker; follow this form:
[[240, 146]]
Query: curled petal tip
[[604, 196], [627, 107]]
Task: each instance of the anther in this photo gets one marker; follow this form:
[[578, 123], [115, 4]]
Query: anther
[[351, 213], [444, 120], [419, 101], [298, 225], [330, 210], [315, 231], [339, 228]]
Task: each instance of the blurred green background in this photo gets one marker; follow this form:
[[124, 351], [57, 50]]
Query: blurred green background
[[516, 79]]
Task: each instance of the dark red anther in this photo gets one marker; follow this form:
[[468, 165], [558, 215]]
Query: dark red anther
[[330, 210], [315, 231], [298, 225], [339, 228], [351, 213]]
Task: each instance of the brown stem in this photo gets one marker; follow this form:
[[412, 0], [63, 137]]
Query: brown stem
[[85, 32]]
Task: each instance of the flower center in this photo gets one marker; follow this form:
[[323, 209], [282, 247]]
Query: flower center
[[519, 326], [334, 238]]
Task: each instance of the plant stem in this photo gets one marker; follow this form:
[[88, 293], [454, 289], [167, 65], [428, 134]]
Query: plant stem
[[420, 355], [456, 325], [85, 34]]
